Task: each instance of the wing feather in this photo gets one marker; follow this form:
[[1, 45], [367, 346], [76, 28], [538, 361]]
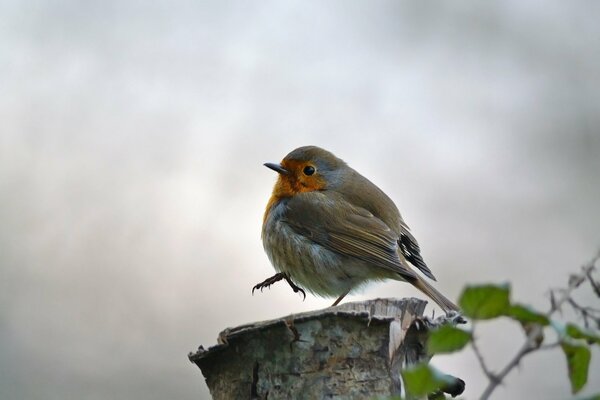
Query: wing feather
[[341, 227], [411, 250]]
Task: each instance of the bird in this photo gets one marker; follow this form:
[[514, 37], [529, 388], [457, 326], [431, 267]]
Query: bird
[[329, 230]]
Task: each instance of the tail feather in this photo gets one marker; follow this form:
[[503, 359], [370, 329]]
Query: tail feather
[[436, 296]]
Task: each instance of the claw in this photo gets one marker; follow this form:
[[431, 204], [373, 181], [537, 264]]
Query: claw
[[276, 278], [302, 292], [268, 282], [295, 288]]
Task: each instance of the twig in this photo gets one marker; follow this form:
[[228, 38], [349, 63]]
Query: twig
[[529, 346], [532, 341], [574, 282], [587, 313], [594, 284], [491, 376], [587, 309]]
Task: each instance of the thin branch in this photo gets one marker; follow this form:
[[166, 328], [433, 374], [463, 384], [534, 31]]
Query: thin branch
[[529, 346], [587, 309], [532, 342], [574, 282], [490, 375], [595, 284], [587, 313]]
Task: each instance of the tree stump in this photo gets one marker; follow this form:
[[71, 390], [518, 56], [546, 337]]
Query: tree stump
[[352, 351]]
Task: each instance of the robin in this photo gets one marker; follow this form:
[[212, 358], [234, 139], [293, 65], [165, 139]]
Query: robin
[[329, 230]]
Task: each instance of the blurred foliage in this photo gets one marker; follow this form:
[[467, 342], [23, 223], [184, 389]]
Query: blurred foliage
[[490, 302], [447, 339], [485, 301], [422, 379]]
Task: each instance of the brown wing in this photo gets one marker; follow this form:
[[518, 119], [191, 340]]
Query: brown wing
[[352, 231]]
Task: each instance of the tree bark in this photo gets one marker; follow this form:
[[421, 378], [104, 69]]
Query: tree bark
[[352, 351]]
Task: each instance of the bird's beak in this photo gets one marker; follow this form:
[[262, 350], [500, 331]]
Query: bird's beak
[[277, 168]]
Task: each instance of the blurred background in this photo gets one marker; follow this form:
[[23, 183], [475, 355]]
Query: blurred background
[[132, 189]]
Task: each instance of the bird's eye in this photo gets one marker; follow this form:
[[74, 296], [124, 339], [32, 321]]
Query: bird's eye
[[308, 170]]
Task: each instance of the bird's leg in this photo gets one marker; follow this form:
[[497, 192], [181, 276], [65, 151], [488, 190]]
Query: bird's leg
[[276, 278], [339, 299]]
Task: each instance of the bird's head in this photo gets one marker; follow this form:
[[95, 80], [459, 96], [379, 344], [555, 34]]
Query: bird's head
[[307, 169]]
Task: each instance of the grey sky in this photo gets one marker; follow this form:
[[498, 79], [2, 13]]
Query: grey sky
[[132, 188]]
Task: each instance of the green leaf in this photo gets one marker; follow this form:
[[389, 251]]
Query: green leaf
[[447, 339], [590, 397], [577, 332], [578, 362], [523, 313], [485, 301], [439, 395], [423, 379]]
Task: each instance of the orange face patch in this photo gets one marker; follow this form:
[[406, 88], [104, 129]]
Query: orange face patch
[[297, 181]]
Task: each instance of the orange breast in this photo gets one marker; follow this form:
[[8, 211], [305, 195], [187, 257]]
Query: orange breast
[[272, 201], [293, 183]]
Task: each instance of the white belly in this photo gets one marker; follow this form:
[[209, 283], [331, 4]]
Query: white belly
[[310, 265]]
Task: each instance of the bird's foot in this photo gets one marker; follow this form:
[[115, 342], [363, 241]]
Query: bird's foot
[[276, 278], [268, 282]]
